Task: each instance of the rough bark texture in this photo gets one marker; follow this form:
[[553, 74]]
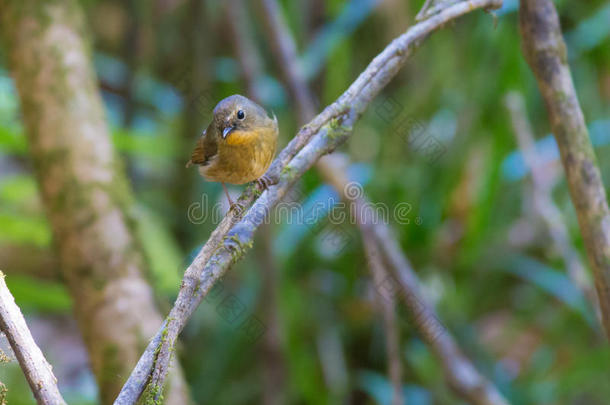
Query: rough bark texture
[[545, 51], [37, 370], [83, 187]]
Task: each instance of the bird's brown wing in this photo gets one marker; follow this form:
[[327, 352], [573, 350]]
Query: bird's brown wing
[[205, 149]]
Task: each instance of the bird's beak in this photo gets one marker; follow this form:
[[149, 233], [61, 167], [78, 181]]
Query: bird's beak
[[226, 131]]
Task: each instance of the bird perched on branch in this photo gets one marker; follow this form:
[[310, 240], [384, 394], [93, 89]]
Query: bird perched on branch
[[238, 145]]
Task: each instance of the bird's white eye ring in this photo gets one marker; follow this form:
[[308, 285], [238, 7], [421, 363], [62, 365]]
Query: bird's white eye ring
[[241, 115]]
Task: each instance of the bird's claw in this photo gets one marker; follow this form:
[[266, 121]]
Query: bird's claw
[[238, 207], [264, 182]]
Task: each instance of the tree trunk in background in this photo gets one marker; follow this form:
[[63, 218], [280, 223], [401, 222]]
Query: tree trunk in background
[[83, 186]]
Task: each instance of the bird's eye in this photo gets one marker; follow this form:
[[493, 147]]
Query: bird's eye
[[241, 115]]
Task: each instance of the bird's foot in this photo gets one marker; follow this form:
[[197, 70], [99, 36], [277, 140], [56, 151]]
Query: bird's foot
[[238, 207], [264, 182]]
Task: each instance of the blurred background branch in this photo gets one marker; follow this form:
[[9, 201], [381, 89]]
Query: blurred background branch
[[460, 374], [542, 188], [35, 261], [387, 307], [284, 50], [297, 321], [545, 51]]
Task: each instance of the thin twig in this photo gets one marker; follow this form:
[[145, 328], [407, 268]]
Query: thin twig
[[387, 307], [285, 52], [423, 11], [322, 135], [432, 7], [244, 44], [460, 373], [543, 199], [37, 370], [545, 51], [274, 368]]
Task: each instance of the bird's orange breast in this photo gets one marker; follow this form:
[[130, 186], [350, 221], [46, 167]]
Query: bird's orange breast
[[242, 137], [244, 156]]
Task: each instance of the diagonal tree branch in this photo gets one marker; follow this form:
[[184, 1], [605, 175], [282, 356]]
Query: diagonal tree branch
[[460, 373], [285, 53], [37, 370], [322, 135], [244, 45], [284, 50], [376, 235], [387, 307], [545, 51]]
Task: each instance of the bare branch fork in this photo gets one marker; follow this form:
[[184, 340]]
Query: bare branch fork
[[37, 370], [233, 236]]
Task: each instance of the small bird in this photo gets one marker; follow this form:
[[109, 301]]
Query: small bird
[[238, 145]]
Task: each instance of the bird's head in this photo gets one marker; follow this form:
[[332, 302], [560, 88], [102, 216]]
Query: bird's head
[[238, 113]]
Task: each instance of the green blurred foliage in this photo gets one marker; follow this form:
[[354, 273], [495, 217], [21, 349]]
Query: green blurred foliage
[[510, 305]]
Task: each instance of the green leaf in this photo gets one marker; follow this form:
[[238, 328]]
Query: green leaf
[[40, 296]]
